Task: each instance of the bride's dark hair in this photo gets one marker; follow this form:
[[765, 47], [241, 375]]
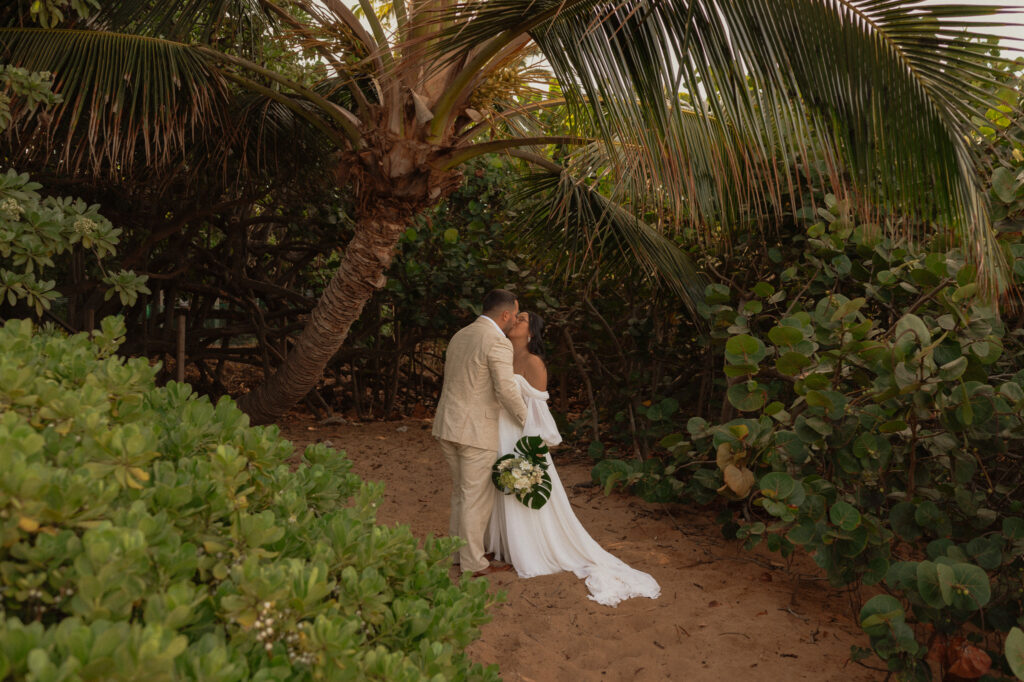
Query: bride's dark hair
[[536, 326]]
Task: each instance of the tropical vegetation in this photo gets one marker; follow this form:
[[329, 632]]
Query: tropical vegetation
[[778, 244], [700, 112]]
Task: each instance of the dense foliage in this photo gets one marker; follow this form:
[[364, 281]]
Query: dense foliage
[[36, 231], [148, 533], [879, 420]]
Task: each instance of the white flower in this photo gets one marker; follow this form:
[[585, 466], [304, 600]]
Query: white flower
[[84, 226], [10, 209]]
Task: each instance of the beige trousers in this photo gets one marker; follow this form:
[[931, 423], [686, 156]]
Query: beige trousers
[[472, 499]]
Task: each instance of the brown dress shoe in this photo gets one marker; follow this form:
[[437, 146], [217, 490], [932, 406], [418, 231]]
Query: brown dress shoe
[[495, 568]]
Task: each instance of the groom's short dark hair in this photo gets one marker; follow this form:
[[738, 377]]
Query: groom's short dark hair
[[498, 299]]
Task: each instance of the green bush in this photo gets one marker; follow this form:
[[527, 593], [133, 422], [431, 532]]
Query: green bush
[[35, 229], [149, 534], [878, 424]]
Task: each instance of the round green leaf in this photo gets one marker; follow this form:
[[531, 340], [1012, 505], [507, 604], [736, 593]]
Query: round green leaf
[[879, 613], [716, 293], [733, 371], [971, 589], [802, 533], [853, 546], [930, 583], [747, 399], [1004, 186], [929, 516], [816, 381], [451, 235], [901, 519], [892, 426], [966, 291], [818, 399], [986, 552], [877, 568], [792, 363], [697, 427], [953, 369], [752, 307], [744, 349], [777, 485], [782, 335], [844, 515], [848, 308], [911, 332], [1013, 527], [1015, 651], [791, 446], [1011, 391], [866, 446]]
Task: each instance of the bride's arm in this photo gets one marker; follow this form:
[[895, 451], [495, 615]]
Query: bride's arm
[[536, 373]]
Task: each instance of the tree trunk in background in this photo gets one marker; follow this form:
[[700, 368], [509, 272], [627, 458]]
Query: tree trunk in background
[[360, 274]]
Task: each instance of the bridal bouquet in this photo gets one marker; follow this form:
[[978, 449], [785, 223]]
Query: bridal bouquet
[[524, 473]]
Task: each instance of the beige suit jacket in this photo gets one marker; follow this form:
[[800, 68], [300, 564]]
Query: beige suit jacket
[[478, 380]]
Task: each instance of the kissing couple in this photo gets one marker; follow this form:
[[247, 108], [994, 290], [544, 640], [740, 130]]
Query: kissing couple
[[494, 393]]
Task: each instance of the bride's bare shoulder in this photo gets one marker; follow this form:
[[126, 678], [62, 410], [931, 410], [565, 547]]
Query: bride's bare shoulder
[[536, 372]]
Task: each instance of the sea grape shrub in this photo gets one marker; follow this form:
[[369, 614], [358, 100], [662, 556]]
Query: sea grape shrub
[[878, 424], [882, 408], [149, 534]]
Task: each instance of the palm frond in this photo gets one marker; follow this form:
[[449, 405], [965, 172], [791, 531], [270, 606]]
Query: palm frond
[[271, 140], [887, 85], [126, 99], [574, 228], [242, 23]]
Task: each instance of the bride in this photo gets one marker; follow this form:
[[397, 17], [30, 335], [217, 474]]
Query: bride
[[551, 539]]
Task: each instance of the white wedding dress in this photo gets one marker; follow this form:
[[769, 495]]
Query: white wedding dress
[[551, 539]]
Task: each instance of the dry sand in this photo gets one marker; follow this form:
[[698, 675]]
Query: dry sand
[[724, 613]]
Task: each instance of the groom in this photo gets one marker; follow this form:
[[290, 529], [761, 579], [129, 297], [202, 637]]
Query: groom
[[478, 382]]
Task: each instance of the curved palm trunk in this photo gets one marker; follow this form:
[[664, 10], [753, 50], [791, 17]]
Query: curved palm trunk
[[361, 272]]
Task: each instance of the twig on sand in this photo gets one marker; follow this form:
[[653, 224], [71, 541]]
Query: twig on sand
[[794, 613], [741, 634]]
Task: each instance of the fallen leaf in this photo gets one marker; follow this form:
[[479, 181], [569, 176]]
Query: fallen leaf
[[967, 660], [740, 481]]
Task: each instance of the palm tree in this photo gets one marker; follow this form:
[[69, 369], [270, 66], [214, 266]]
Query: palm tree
[[712, 109]]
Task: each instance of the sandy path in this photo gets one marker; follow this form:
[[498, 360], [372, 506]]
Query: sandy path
[[724, 614]]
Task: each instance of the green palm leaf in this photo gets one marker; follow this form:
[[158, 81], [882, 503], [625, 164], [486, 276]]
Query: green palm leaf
[[270, 141], [575, 228], [887, 86], [126, 98], [241, 22]]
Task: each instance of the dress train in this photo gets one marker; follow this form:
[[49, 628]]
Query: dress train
[[551, 539]]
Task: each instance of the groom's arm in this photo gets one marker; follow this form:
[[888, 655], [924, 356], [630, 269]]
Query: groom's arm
[[499, 363]]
